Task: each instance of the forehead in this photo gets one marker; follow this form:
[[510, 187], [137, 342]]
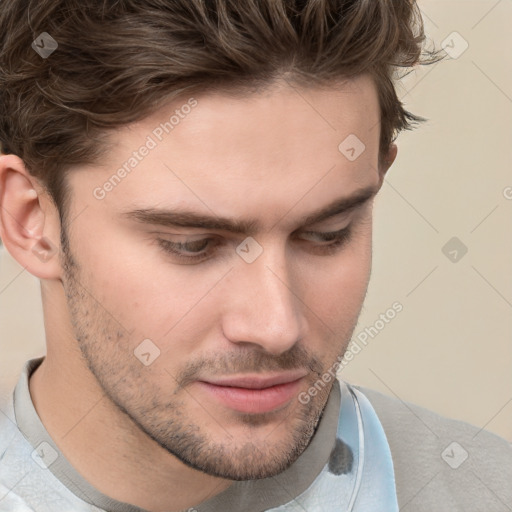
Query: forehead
[[282, 121], [266, 151], [265, 125]]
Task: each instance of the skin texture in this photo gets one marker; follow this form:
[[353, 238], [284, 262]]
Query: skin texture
[[150, 435]]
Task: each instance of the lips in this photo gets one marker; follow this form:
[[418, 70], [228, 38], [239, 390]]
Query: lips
[[256, 381], [252, 395]]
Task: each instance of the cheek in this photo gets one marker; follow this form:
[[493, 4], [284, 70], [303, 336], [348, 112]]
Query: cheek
[[340, 302], [338, 284], [132, 280]]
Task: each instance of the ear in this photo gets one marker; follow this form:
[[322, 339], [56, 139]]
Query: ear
[[29, 221], [387, 161]]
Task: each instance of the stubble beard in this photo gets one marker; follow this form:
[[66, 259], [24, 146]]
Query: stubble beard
[[124, 380]]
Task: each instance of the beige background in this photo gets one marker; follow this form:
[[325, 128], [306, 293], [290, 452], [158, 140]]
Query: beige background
[[450, 349]]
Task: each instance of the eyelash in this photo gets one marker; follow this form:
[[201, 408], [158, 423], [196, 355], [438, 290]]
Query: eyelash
[[340, 239]]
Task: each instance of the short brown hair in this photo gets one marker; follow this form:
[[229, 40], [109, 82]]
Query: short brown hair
[[117, 61]]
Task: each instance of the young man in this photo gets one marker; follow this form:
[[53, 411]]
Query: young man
[[192, 182]]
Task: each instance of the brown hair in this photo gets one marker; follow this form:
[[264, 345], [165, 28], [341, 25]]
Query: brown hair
[[118, 60]]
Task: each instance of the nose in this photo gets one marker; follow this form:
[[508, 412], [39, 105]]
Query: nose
[[264, 305]]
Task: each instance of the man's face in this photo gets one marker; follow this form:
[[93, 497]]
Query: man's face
[[281, 301]]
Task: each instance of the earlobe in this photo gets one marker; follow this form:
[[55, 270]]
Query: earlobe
[[26, 225]]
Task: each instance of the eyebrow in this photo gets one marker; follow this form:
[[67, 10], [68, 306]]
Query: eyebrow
[[189, 219]]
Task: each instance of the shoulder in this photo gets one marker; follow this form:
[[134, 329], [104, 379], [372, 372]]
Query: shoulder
[[14, 463], [441, 462]]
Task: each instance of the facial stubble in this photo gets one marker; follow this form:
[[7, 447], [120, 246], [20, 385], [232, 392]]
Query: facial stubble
[[127, 384]]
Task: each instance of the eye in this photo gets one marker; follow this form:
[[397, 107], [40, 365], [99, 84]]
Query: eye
[[338, 239], [197, 250], [330, 235], [189, 250]]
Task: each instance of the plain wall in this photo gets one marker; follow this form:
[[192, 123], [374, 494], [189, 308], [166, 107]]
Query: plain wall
[[450, 348]]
